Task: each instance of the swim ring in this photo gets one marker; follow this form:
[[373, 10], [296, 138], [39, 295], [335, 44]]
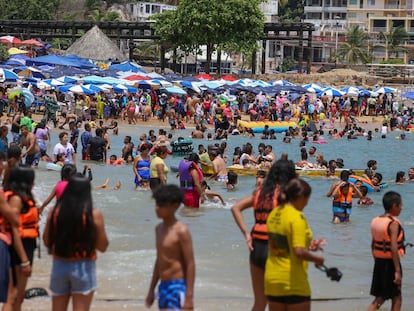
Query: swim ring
[[366, 182], [53, 167], [258, 126]]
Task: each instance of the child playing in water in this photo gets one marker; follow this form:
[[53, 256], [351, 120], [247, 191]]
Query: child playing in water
[[174, 266], [211, 195], [364, 199]]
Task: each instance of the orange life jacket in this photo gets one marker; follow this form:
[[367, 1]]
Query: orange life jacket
[[381, 239], [5, 234], [29, 220], [261, 212]]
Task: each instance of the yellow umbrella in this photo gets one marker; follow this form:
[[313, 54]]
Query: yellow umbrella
[[13, 51]]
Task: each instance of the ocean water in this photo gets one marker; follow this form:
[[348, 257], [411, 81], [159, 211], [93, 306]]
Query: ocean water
[[222, 269]]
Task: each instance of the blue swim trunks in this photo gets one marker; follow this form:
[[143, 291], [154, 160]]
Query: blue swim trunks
[[4, 270], [171, 294]]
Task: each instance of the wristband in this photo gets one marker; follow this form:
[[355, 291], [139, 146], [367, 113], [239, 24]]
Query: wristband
[[25, 264]]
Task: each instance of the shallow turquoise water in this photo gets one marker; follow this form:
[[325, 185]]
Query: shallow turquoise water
[[223, 281]]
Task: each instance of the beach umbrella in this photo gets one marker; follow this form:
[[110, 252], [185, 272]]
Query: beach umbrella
[[8, 75], [32, 42], [53, 82], [281, 82], [313, 86], [192, 85], [385, 90], [121, 88], [161, 82], [10, 40], [135, 77], [351, 91], [68, 79], [14, 51], [331, 92], [204, 76], [28, 96], [23, 71], [229, 78], [409, 95], [80, 89], [174, 90], [154, 75]]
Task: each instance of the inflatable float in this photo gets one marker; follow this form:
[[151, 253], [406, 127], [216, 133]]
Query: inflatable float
[[308, 172], [53, 167], [258, 126], [182, 147], [368, 183]]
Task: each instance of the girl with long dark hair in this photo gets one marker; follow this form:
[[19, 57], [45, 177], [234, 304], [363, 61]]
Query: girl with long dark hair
[[74, 231]]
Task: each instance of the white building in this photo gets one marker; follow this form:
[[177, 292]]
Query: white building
[[269, 8], [142, 11]]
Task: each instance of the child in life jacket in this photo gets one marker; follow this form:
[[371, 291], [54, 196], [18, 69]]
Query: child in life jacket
[[388, 246], [18, 193]]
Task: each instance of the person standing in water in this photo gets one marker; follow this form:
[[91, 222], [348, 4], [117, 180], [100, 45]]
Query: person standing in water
[[73, 233], [290, 248], [174, 266], [263, 200], [387, 249]]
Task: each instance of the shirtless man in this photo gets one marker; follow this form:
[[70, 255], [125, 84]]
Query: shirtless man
[[219, 167], [32, 152], [174, 265], [411, 174], [197, 133]]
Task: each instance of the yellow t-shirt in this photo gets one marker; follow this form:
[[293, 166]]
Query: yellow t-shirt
[[153, 167], [285, 273]]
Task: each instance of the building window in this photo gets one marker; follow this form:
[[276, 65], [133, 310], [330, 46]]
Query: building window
[[352, 2], [147, 9], [156, 9], [371, 2]]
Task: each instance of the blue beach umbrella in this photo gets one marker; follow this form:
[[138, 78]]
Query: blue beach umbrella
[[331, 92], [8, 75], [174, 90], [409, 95], [385, 90]]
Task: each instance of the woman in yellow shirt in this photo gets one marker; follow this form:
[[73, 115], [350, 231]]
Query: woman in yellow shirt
[[158, 168], [290, 246]]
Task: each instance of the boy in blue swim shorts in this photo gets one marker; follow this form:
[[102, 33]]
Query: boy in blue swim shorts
[[174, 266]]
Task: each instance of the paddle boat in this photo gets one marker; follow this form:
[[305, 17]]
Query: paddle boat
[[258, 126]]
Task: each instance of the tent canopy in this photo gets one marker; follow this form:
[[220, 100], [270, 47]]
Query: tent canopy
[[59, 60]]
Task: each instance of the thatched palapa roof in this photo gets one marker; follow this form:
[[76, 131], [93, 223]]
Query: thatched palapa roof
[[95, 45]]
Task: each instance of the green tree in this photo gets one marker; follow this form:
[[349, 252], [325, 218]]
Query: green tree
[[291, 10], [394, 41], [214, 24], [29, 9], [4, 54], [355, 49]]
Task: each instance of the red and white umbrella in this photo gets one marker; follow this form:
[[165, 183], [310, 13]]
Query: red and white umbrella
[[10, 40], [32, 42]]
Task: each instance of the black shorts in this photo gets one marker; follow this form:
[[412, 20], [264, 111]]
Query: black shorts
[[154, 183], [383, 280], [290, 300], [259, 254], [29, 246]]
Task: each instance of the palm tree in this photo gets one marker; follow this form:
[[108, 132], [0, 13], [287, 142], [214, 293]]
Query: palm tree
[[355, 49], [394, 41]]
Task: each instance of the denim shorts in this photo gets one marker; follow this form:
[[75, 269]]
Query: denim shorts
[[73, 277]]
